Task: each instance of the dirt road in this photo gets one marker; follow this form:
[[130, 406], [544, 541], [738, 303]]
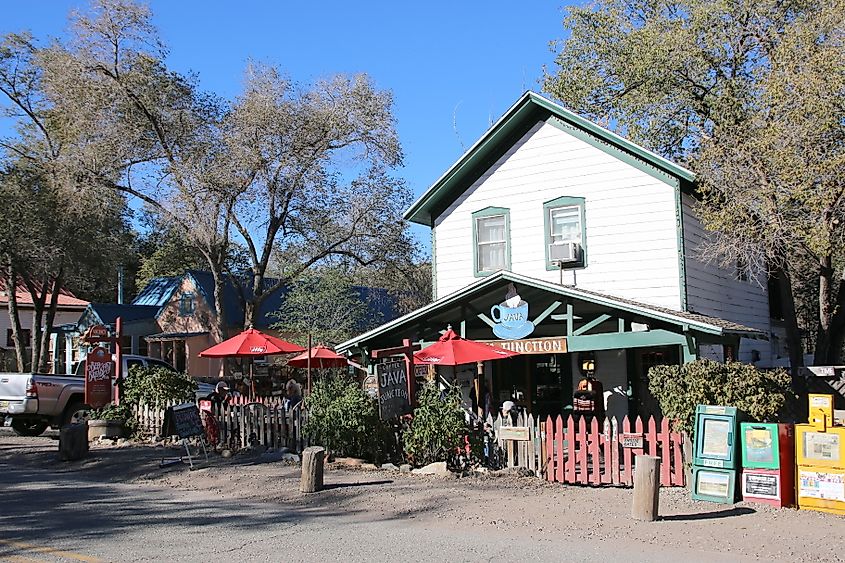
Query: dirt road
[[119, 506]]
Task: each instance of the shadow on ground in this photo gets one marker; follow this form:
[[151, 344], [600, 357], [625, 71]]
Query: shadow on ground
[[727, 513]]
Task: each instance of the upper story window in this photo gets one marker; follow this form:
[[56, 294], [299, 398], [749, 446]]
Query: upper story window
[[566, 241], [187, 304], [491, 240]]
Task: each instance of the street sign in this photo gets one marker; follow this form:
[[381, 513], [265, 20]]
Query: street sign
[[393, 400], [631, 440], [98, 375], [519, 433]]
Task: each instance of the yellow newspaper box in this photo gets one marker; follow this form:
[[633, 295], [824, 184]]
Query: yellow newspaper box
[[821, 488], [820, 448], [821, 411]]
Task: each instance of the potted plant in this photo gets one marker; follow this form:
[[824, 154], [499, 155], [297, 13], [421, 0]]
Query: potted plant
[[111, 421]]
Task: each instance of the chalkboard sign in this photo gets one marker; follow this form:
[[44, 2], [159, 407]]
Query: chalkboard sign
[[183, 421], [393, 400]]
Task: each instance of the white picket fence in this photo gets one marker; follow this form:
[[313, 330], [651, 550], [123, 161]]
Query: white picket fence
[[239, 424]]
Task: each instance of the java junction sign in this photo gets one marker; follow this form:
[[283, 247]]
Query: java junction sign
[[554, 345], [393, 399]]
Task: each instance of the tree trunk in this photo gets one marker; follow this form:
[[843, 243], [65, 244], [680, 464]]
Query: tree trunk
[[39, 297], [790, 319], [51, 317], [219, 324], [823, 351], [14, 317]]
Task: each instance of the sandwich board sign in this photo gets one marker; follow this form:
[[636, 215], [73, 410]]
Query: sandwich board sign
[[393, 400], [184, 421]]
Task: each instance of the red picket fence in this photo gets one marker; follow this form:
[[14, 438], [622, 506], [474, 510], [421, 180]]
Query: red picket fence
[[578, 451]]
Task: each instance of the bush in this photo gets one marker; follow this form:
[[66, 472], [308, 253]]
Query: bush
[[158, 386], [344, 419], [438, 427], [679, 389]]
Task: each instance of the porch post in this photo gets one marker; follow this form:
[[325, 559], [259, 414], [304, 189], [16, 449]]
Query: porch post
[[68, 352], [689, 349]]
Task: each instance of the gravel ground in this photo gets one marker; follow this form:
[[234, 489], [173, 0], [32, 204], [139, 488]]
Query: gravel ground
[[521, 507]]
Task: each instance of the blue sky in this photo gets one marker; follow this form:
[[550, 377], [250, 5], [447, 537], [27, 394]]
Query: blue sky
[[453, 67]]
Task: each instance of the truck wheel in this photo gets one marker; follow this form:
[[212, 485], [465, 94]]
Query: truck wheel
[[75, 413], [28, 426]]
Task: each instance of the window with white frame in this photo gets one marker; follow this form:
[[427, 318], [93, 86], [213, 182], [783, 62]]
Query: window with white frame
[[491, 243], [565, 224], [566, 244]]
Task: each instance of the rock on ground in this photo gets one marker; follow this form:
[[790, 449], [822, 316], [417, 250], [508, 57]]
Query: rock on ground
[[436, 468]]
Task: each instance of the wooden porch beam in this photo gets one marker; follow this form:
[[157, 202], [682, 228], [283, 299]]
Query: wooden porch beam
[[591, 325]]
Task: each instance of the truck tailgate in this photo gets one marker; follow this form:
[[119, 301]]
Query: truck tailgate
[[13, 386], [13, 398]]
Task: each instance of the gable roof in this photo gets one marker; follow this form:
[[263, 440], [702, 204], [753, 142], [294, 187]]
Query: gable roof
[[516, 121], [703, 324]]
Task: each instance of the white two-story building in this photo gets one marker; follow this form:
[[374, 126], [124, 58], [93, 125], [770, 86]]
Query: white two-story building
[[557, 238]]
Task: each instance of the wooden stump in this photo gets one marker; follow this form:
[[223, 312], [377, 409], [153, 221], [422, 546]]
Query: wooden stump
[[646, 488], [73, 441], [312, 469]]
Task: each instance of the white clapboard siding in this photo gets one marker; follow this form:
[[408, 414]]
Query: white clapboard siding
[[716, 291], [632, 240]]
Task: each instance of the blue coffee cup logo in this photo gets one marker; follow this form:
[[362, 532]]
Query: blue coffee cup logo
[[510, 317]]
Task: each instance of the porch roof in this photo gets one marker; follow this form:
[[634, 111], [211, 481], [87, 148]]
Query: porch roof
[[466, 304]]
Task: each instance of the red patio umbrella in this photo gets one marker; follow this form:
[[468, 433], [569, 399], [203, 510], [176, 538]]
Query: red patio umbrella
[[321, 357], [452, 350], [251, 343]]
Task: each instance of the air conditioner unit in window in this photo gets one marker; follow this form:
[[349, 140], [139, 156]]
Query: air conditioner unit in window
[[564, 252]]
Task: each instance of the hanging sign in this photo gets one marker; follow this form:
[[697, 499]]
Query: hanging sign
[[96, 333], [393, 400], [99, 370]]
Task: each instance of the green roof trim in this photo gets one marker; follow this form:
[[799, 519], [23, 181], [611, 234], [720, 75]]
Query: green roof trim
[[518, 120], [684, 320]]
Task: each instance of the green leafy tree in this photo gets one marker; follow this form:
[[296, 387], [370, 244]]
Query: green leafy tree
[[327, 306], [343, 418], [679, 389], [748, 95], [438, 427], [301, 174]]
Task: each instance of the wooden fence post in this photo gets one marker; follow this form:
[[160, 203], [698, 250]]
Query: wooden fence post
[[646, 488], [312, 469]]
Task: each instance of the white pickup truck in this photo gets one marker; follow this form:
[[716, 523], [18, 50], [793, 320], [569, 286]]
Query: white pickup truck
[[35, 401]]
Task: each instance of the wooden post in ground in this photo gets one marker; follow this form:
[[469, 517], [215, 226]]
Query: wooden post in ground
[[646, 488], [312, 469]]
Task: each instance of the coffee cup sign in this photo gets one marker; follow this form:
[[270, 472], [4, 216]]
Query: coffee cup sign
[[99, 370], [511, 317]]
